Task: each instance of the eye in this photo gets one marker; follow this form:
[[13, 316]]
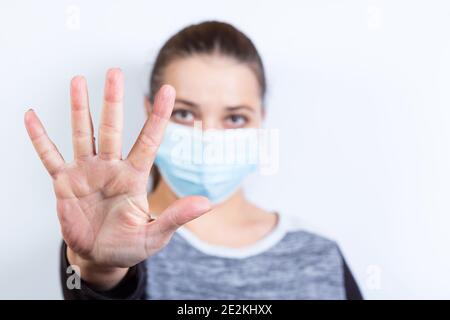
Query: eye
[[236, 121], [182, 116]]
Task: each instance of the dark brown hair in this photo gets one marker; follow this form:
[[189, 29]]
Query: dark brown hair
[[210, 37]]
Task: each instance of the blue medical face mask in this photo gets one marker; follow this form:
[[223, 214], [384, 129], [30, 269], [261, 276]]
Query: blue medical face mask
[[211, 163]]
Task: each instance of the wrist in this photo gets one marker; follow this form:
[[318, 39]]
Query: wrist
[[99, 277]]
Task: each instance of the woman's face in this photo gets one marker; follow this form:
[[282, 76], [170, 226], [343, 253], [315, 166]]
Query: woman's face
[[217, 90]]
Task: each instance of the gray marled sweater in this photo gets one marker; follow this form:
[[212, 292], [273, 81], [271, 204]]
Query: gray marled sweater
[[283, 265]]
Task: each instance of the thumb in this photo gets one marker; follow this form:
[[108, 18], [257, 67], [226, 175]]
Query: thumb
[[182, 211]]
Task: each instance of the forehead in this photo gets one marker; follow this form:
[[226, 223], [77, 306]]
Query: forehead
[[213, 80]]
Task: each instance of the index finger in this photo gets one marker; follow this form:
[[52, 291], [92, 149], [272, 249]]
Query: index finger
[[143, 153]]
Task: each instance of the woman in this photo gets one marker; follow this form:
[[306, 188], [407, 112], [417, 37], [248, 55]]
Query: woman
[[221, 245]]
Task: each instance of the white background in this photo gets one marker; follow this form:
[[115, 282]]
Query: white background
[[360, 91]]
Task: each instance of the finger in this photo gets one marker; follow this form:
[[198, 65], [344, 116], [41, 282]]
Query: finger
[[45, 148], [144, 149], [180, 212], [111, 122], [82, 130]]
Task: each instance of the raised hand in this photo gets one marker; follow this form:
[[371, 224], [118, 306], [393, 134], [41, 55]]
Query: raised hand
[[101, 198]]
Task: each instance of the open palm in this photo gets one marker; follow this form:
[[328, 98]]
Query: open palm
[[101, 198]]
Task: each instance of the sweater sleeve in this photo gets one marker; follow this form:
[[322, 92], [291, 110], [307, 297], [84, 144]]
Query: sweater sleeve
[[352, 291], [131, 287]]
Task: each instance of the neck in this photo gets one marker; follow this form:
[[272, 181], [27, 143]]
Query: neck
[[235, 216], [228, 212]]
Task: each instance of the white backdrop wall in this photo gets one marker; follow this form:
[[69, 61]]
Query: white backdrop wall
[[360, 91]]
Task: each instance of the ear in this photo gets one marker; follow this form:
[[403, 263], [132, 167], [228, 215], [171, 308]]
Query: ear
[[148, 105], [263, 112]]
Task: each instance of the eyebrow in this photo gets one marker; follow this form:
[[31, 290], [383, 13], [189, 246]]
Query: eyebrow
[[229, 108], [234, 108], [187, 102]]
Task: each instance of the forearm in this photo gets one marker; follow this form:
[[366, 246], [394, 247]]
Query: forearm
[[132, 285], [98, 277]]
